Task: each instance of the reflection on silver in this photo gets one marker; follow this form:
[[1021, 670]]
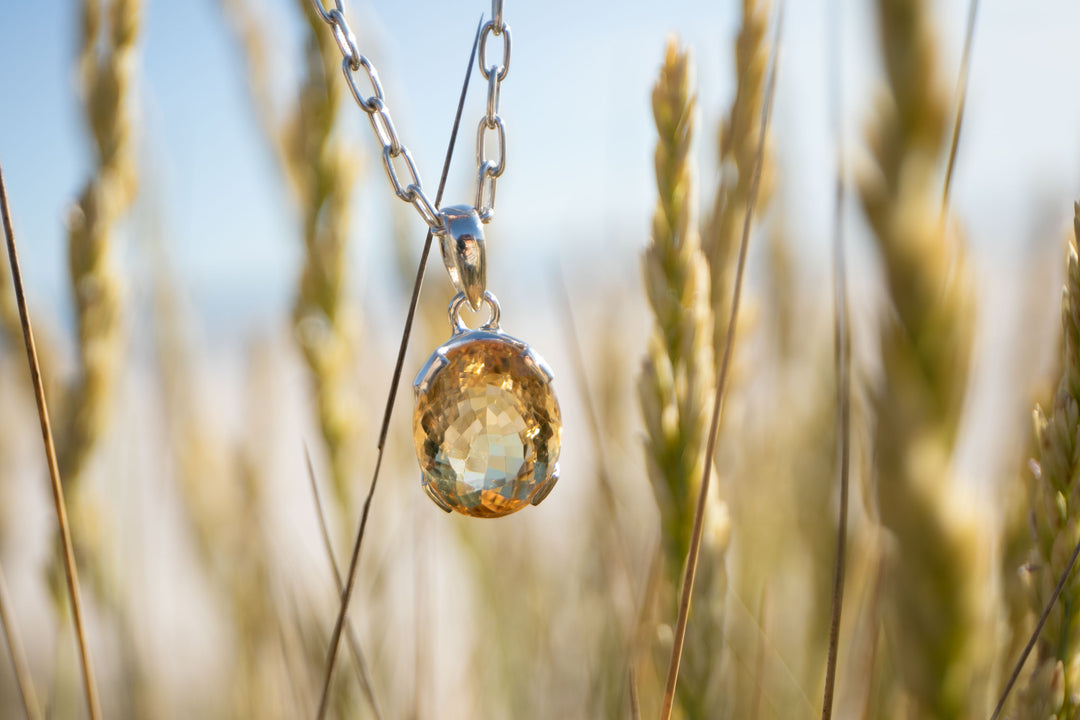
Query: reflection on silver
[[464, 252]]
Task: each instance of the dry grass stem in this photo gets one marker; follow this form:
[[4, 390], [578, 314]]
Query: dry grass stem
[[71, 573], [354, 641], [354, 560], [721, 382], [1035, 634], [10, 333], [596, 435], [18, 654], [608, 535], [961, 103], [842, 359], [759, 659]]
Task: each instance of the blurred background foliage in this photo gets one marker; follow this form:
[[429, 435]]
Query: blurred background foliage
[[188, 369]]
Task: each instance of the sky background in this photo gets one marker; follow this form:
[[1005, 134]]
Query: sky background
[[580, 137]]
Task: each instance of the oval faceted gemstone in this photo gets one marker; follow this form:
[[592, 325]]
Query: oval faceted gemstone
[[487, 427]]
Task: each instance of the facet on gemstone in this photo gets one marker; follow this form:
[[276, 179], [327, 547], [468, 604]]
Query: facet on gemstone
[[487, 427]]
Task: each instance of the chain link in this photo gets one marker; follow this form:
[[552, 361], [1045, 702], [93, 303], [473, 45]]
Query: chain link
[[490, 169], [396, 159], [482, 159], [345, 38]]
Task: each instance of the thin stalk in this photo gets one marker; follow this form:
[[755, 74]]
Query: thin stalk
[[961, 91], [596, 434], [721, 384], [870, 604], [354, 642], [1015, 675], [635, 705], [350, 581], [421, 612], [842, 350], [93, 704], [18, 654], [293, 669], [759, 662]]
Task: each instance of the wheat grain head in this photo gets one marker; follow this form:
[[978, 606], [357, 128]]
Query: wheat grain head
[[930, 611], [676, 381], [737, 145], [1053, 689]]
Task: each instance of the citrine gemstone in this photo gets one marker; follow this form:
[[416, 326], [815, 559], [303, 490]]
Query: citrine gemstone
[[487, 427]]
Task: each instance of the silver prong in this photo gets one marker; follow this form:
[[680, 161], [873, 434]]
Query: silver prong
[[533, 358], [436, 362], [434, 497], [548, 485]]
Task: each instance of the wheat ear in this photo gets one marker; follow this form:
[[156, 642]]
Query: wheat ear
[[320, 168], [676, 381], [677, 377], [1053, 689], [932, 614], [737, 154], [107, 80], [323, 172]]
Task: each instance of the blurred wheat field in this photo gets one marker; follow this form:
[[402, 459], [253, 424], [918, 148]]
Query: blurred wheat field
[[201, 332]]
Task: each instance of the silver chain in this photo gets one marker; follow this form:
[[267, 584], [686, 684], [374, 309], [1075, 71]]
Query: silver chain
[[397, 160], [490, 170]]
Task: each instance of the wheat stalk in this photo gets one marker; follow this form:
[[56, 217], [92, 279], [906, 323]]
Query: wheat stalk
[[842, 365], [18, 654], [961, 104], [677, 376], [737, 154], [1053, 689], [9, 315], [925, 345], [323, 172], [71, 573], [106, 78], [363, 675]]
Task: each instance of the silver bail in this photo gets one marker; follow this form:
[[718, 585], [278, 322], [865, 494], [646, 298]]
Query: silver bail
[[464, 252]]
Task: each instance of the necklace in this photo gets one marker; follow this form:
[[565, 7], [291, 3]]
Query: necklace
[[486, 426]]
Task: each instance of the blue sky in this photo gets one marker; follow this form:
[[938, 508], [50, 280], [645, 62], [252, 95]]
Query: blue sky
[[578, 185]]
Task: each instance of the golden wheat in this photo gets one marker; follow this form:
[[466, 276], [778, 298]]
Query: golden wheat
[[930, 608], [1053, 689], [676, 382], [737, 147]]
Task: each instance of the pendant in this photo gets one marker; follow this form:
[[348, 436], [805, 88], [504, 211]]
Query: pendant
[[487, 426]]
